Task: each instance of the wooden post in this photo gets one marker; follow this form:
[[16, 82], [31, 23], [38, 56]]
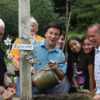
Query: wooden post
[[24, 31], [68, 15]]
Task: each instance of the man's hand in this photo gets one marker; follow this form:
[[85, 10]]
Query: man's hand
[[96, 97], [32, 70], [53, 65], [12, 90], [7, 95]]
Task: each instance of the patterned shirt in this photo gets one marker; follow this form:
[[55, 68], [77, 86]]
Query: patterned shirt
[[97, 69]]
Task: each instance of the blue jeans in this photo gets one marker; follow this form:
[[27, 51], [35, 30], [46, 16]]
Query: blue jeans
[[64, 86], [18, 86]]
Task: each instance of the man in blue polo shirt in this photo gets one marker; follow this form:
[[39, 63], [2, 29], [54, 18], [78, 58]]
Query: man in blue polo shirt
[[46, 51]]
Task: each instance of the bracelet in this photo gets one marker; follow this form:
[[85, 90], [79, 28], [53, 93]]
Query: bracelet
[[6, 87], [2, 91]]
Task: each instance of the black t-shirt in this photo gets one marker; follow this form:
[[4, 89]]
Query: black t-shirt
[[3, 68], [88, 61]]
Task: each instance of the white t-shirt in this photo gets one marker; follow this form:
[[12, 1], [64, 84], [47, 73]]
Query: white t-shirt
[[97, 69]]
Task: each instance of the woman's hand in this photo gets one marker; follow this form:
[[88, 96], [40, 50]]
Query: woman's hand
[[85, 91]]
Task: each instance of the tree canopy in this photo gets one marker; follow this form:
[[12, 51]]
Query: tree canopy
[[9, 13], [84, 13], [41, 10]]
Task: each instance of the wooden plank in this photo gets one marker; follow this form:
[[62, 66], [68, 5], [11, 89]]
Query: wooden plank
[[73, 96], [24, 30]]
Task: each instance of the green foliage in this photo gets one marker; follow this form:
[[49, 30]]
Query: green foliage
[[9, 13], [7, 60], [4, 48], [60, 7], [43, 11], [73, 33], [61, 20], [85, 13]]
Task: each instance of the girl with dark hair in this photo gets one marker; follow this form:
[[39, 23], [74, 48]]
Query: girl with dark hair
[[87, 47], [88, 50], [78, 65]]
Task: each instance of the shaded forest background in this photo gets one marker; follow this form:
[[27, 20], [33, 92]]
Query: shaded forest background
[[84, 13]]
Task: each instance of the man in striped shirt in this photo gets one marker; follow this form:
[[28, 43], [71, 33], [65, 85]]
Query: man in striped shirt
[[94, 37]]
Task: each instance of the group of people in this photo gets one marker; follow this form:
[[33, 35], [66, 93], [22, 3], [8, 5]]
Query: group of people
[[78, 68]]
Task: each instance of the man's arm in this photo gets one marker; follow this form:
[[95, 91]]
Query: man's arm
[[7, 86], [5, 80], [59, 73]]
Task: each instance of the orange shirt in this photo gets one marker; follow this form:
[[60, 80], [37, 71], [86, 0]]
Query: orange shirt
[[15, 52]]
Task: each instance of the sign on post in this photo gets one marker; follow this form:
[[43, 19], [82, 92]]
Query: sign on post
[[22, 46]]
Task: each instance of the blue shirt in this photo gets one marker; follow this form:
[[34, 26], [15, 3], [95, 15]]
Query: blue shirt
[[43, 55]]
